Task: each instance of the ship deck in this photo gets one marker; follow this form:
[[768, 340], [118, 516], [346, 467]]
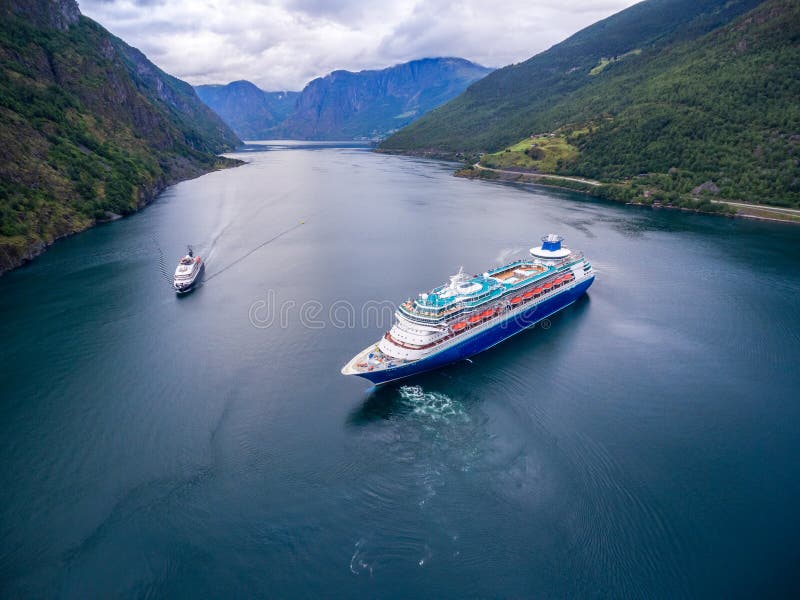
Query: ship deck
[[372, 359], [442, 301]]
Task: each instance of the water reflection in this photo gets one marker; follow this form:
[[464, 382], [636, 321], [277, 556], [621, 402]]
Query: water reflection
[[532, 350], [276, 145]]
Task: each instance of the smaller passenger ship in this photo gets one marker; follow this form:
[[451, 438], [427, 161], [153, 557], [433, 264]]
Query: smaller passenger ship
[[475, 312], [188, 272]]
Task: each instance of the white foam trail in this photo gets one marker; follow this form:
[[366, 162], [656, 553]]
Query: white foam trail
[[357, 564], [433, 405], [215, 238], [426, 556]]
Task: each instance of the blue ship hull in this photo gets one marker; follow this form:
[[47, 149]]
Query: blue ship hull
[[483, 340]]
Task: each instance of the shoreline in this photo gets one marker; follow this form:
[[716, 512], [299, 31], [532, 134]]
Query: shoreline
[[595, 188], [35, 249]]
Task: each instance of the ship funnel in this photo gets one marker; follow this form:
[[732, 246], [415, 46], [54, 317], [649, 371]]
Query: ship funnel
[[552, 242], [551, 248]]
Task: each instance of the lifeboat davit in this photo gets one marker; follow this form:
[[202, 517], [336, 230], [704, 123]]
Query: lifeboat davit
[[459, 326]]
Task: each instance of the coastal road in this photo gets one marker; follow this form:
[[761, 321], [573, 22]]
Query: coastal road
[[758, 211], [777, 210]]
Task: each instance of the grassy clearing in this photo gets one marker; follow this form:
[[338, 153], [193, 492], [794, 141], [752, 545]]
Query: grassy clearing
[[604, 62], [712, 97], [540, 153]]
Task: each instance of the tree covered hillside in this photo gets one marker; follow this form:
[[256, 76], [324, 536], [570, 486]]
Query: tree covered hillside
[[507, 105], [725, 109], [88, 127], [711, 98]]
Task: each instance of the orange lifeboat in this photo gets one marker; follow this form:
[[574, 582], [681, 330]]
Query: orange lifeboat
[[459, 326], [516, 300], [474, 318], [487, 313], [547, 286], [527, 295], [537, 291]]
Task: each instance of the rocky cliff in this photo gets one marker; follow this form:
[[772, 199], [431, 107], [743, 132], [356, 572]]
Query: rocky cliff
[[343, 105], [371, 104], [251, 112]]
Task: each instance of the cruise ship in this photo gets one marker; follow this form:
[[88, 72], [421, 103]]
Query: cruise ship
[[188, 272], [475, 312]]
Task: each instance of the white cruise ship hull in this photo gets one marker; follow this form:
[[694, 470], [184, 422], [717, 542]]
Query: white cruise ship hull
[[184, 286]]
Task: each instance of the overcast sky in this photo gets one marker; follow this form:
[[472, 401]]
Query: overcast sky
[[283, 44]]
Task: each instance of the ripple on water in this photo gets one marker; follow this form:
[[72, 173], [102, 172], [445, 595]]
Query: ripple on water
[[426, 441], [372, 554], [612, 515], [433, 405]]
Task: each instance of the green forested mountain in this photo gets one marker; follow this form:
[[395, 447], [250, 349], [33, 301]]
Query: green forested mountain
[[687, 92], [89, 127]]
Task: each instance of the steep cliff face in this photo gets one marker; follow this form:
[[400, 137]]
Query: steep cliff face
[[251, 112], [44, 14], [346, 105], [88, 127]]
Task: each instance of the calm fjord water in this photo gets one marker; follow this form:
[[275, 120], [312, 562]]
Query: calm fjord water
[[644, 445]]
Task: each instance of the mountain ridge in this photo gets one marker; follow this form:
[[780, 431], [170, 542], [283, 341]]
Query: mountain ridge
[[250, 111], [497, 110], [708, 110], [347, 104], [373, 102], [89, 127]]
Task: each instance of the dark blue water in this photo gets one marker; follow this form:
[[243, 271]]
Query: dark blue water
[[644, 445]]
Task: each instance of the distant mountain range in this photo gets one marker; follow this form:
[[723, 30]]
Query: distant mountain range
[[251, 112], [89, 128], [343, 105], [664, 99]]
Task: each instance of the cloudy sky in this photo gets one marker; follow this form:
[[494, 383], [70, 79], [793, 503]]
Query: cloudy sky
[[283, 44]]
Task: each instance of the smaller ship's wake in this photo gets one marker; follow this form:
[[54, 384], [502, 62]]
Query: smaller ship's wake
[[254, 250], [215, 238], [166, 273]]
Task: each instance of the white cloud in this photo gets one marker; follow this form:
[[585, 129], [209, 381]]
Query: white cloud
[[283, 44]]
